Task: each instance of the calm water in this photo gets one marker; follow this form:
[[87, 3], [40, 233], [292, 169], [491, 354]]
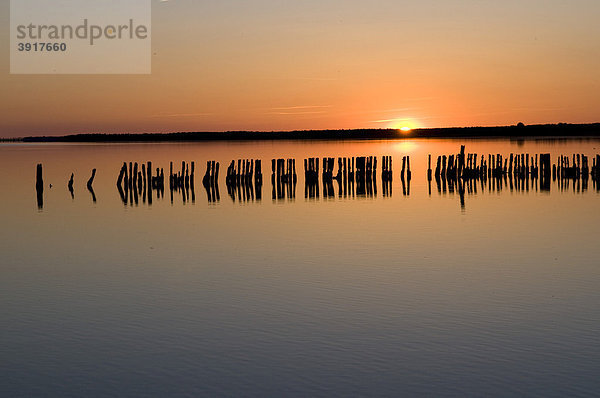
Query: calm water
[[409, 294]]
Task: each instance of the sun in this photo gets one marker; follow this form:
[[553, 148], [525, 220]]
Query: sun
[[404, 125]]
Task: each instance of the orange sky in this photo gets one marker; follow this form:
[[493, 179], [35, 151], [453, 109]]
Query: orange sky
[[275, 65]]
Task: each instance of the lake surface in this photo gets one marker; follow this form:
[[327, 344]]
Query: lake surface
[[407, 294]]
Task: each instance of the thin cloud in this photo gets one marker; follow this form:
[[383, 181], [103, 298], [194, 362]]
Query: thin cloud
[[324, 79], [299, 110], [296, 113], [182, 115], [284, 108], [390, 120]]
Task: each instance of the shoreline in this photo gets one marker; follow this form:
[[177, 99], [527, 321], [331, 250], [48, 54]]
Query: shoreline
[[521, 132]]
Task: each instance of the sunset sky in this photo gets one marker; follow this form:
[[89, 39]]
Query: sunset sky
[[327, 64]]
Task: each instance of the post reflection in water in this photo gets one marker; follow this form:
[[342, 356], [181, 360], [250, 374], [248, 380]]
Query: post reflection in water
[[518, 173], [244, 183], [39, 186], [195, 277], [210, 181], [283, 179], [355, 177], [467, 174], [133, 184], [70, 186]]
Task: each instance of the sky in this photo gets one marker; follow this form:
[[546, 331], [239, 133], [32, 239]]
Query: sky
[[221, 65]]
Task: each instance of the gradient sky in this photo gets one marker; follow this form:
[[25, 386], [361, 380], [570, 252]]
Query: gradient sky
[[282, 65]]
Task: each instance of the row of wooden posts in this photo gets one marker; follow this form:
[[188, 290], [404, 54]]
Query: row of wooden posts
[[242, 180], [247, 169], [452, 166], [351, 168], [140, 176], [135, 178], [39, 185], [470, 166]]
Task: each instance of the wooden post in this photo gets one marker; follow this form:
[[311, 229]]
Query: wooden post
[[125, 176], [70, 184], [130, 181], [39, 186], [121, 174], [429, 170], [444, 159], [91, 180], [135, 174], [148, 177]]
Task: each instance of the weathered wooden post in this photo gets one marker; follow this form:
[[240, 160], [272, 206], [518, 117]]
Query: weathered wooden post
[[122, 173], [135, 174], [544, 171], [149, 173], [39, 186], [139, 182], [143, 174], [403, 171], [125, 176], [444, 159], [91, 180], [429, 172], [130, 181], [461, 161], [89, 185]]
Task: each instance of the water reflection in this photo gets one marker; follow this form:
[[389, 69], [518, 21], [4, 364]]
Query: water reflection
[[518, 173], [139, 182], [387, 176], [244, 183], [465, 174], [210, 181], [70, 186], [283, 179], [355, 177]]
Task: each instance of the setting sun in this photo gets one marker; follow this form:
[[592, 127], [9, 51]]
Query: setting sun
[[404, 125]]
